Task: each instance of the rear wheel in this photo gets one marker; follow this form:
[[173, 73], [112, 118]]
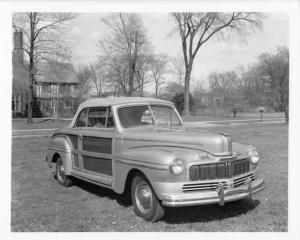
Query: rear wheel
[[145, 202], [61, 177]]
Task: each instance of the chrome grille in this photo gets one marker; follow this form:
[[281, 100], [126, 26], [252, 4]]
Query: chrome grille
[[206, 186], [242, 180], [219, 170], [240, 166], [202, 186]]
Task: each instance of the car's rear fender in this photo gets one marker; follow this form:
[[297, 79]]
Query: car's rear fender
[[60, 145]]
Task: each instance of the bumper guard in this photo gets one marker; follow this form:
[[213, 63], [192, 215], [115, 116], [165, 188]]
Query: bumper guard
[[220, 195]]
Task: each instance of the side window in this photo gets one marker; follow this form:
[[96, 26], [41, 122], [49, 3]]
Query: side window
[[110, 120], [100, 117], [165, 115], [81, 119], [97, 117]]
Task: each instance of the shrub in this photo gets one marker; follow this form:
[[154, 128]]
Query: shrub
[[178, 100]]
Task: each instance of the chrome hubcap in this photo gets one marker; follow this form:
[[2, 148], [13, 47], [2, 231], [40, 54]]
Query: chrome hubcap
[[143, 197], [60, 172]]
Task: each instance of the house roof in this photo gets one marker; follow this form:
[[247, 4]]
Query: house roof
[[50, 72]]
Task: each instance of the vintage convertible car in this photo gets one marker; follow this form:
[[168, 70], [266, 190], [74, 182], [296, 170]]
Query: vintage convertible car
[[140, 146]]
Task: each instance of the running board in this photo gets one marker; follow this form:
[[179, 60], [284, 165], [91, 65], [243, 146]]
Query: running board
[[103, 181]]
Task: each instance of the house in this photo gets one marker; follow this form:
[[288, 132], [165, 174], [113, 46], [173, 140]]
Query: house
[[55, 88]]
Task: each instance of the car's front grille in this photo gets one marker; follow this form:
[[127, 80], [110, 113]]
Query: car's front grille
[[202, 186], [241, 166], [242, 180], [219, 170]]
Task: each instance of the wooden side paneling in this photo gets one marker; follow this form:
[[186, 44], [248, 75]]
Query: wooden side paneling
[[74, 140], [76, 160], [97, 165], [96, 144]]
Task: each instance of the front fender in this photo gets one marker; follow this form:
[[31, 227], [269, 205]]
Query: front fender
[[152, 161]]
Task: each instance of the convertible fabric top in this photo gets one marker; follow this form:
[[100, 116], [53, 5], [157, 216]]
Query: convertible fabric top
[[110, 101]]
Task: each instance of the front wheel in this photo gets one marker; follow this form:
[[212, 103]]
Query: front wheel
[[145, 202], [61, 177]]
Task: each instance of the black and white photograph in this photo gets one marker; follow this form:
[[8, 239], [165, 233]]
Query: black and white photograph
[[160, 119]]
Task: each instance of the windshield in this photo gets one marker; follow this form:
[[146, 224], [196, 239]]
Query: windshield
[[136, 116]]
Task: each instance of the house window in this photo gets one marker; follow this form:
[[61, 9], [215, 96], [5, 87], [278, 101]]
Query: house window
[[16, 103], [68, 103]]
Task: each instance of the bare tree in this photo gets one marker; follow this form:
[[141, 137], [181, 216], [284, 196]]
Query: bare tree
[[158, 68], [124, 46], [226, 88], [251, 84], [83, 74], [42, 42], [196, 29], [275, 70], [179, 68], [100, 76], [143, 72]]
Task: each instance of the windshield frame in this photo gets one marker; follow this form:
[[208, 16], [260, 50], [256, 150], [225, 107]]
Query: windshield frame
[[148, 104]]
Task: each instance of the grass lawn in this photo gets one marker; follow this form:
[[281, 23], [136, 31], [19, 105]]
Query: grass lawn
[[40, 204], [21, 124], [240, 116]]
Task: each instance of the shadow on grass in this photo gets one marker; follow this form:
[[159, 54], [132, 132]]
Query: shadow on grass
[[181, 215], [207, 213], [102, 192]]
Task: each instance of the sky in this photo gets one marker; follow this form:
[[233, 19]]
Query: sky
[[213, 56]]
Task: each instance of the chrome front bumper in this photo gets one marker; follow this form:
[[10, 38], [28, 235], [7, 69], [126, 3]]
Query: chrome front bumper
[[220, 195]]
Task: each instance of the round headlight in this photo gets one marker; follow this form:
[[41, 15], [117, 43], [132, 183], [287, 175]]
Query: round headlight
[[177, 166], [253, 156]]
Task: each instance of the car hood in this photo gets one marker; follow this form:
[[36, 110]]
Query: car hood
[[214, 143]]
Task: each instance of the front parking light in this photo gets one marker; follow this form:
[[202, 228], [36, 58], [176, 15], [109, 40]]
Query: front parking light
[[253, 154]]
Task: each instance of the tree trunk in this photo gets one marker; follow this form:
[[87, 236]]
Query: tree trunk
[[31, 92], [156, 90], [30, 102], [142, 89], [130, 78], [187, 89], [31, 69]]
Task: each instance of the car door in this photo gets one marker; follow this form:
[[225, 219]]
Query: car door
[[75, 138], [97, 146]]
